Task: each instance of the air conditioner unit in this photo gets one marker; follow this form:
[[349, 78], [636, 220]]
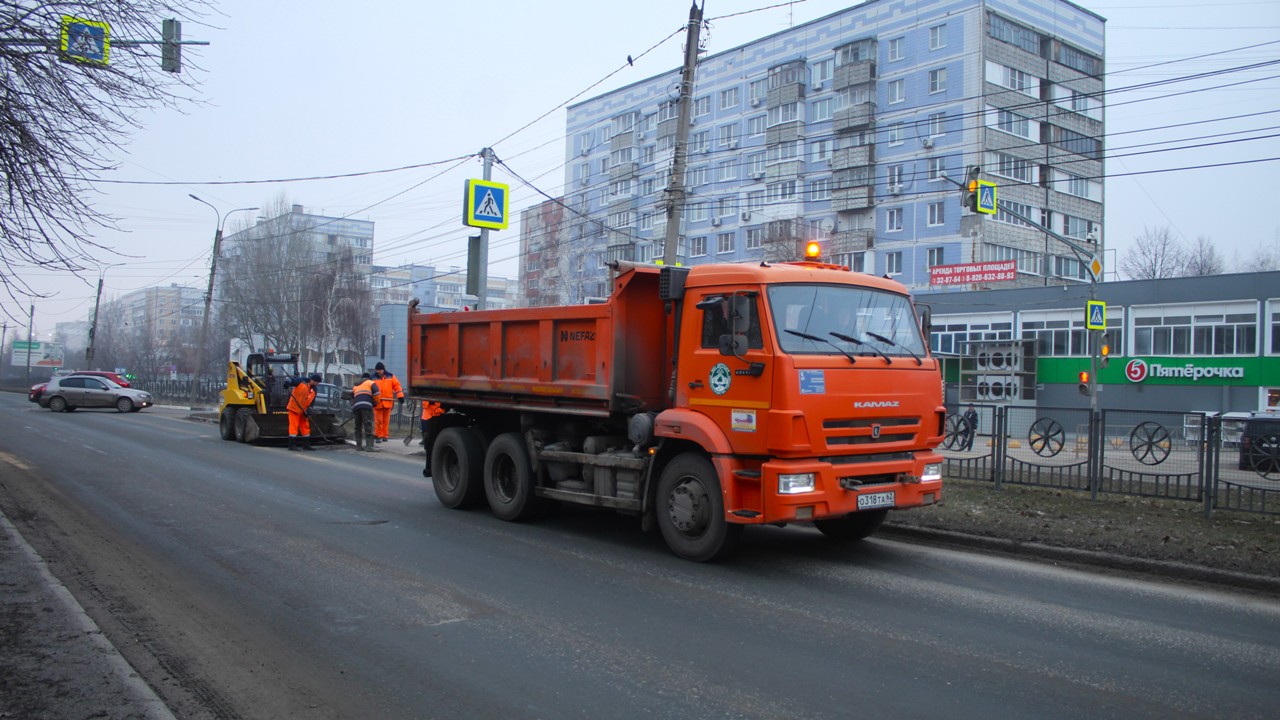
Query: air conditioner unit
[[926, 142], [585, 152], [639, 136], [895, 189], [746, 215], [733, 144], [715, 221], [755, 102], [816, 86], [758, 175]]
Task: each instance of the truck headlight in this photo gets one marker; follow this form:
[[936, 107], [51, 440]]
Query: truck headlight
[[795, 484], [932, 471]]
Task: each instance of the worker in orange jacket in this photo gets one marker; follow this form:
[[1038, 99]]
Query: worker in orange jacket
[[389, 393], [304, 393]]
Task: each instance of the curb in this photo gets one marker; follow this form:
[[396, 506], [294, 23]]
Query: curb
[[1019, 548]]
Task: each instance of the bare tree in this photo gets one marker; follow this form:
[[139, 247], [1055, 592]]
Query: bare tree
[[60, 122], [1203, 258], [1155, 254], [1263, 257]]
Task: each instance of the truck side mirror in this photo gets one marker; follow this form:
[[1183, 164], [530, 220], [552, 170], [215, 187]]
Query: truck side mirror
[[926, 323], [735, 345], [740, 315]]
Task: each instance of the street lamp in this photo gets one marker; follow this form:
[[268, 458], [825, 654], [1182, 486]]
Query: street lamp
[[208, 296], [93, 327]]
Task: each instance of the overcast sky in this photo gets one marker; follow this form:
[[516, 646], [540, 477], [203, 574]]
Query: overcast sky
[[297, 90]]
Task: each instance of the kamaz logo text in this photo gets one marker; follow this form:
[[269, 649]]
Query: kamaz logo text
[[877, 404]]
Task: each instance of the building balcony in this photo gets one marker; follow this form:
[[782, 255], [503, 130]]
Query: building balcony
[[854, 116], [852, 157], [852, 198], [849, 241], [855, 73], [621, 252]]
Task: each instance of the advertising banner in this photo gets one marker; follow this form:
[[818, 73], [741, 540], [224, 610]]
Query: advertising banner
[[965, 273], [40, 354]]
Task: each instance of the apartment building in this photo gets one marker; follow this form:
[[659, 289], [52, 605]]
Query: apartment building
[[854, 129]]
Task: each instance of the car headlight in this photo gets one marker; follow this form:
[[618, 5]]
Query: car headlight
[[932, 471], [795, 484]]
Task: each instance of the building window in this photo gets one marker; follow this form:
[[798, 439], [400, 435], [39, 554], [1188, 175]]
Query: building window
[[646, 154], [782, 191], [895, 49], [820, 189], [936, 257], [790, 112], [698, 212], [668, 110], [821, 71], [646, 222], [702, 106], [937, 37], [727, 206], [620, 187], [1195, 330], [698, 246], [727, 170], [893, 263], [784, 151], [1013, 123], [893, 220], [1013, 167], [937, 169], [755, 200], [724, 243], [1013, 33], [895, 134], [937, 216], [937, 124], [895, 174], [937, 81], [729, 99], [755, 164], [700, 142], [729, 135], [1005, 217], [621, 219], [897, 91], [1072, 141], [755, 238], [821, 110], [758, 90], [756, 125], [820, 150], [1074, 227], [696, 176]]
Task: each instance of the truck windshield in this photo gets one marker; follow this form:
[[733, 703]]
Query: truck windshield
[[848, 320]]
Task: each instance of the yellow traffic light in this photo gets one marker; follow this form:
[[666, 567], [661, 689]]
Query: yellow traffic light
[[1105, 351]]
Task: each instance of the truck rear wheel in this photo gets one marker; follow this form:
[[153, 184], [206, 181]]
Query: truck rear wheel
[[457, 467], [690, 510], [855, 526], [508, 479], [227, 424]]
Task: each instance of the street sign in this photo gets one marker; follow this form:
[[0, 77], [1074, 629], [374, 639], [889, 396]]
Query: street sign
[[85, 41], [1095, 315], [486, 204], [986, 197], [1095, 268]]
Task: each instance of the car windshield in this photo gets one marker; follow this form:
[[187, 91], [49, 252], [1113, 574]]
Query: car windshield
[[844, 320]]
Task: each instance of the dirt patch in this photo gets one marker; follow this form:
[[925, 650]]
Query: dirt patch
[[1147, 528]]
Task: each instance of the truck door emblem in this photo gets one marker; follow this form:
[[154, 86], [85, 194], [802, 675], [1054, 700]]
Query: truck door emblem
[[720, 379]]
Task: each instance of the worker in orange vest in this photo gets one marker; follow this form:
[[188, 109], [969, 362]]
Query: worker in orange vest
[[389, 394], [304, 393], [430, 410]]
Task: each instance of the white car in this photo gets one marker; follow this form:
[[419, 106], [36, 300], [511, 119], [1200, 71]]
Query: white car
[[70, 392]]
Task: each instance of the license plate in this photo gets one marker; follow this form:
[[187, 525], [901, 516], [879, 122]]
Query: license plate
[[868, 501]]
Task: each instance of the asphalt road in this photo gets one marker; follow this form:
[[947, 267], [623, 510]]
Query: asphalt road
[[250, 582]]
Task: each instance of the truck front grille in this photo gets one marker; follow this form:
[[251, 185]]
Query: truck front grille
[[868, 431]]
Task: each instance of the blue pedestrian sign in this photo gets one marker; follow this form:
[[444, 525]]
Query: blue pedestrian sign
[[85, 41], [986, 197], [1095, 315], [486, 204]]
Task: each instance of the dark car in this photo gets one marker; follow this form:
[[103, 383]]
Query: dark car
[[71, 392], [1260, 443]]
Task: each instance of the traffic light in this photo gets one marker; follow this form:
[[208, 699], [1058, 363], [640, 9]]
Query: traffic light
[[1104, 352], [971, 188], [1084, 382]]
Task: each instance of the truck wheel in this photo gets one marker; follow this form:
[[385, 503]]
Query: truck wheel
[[457, 464], [690, 510], [227, 424], [243, 418], [508, 479], [855, 526]]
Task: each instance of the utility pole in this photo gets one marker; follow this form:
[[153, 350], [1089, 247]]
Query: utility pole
[[482, 291], [675, 187], [31, 321], [208, 296]]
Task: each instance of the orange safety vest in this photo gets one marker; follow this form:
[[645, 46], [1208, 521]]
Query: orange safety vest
[[301, 398], [390, 390], [431, 409]]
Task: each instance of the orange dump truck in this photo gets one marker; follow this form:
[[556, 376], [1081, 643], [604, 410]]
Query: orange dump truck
[[702, 399]]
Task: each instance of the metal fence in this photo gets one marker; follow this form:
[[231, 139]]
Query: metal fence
[[1174, 455]]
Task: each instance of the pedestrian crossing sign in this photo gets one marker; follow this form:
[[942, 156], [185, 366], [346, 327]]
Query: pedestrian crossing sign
[[85, 41], [986, 197], [1095, 315], [486, 204]]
